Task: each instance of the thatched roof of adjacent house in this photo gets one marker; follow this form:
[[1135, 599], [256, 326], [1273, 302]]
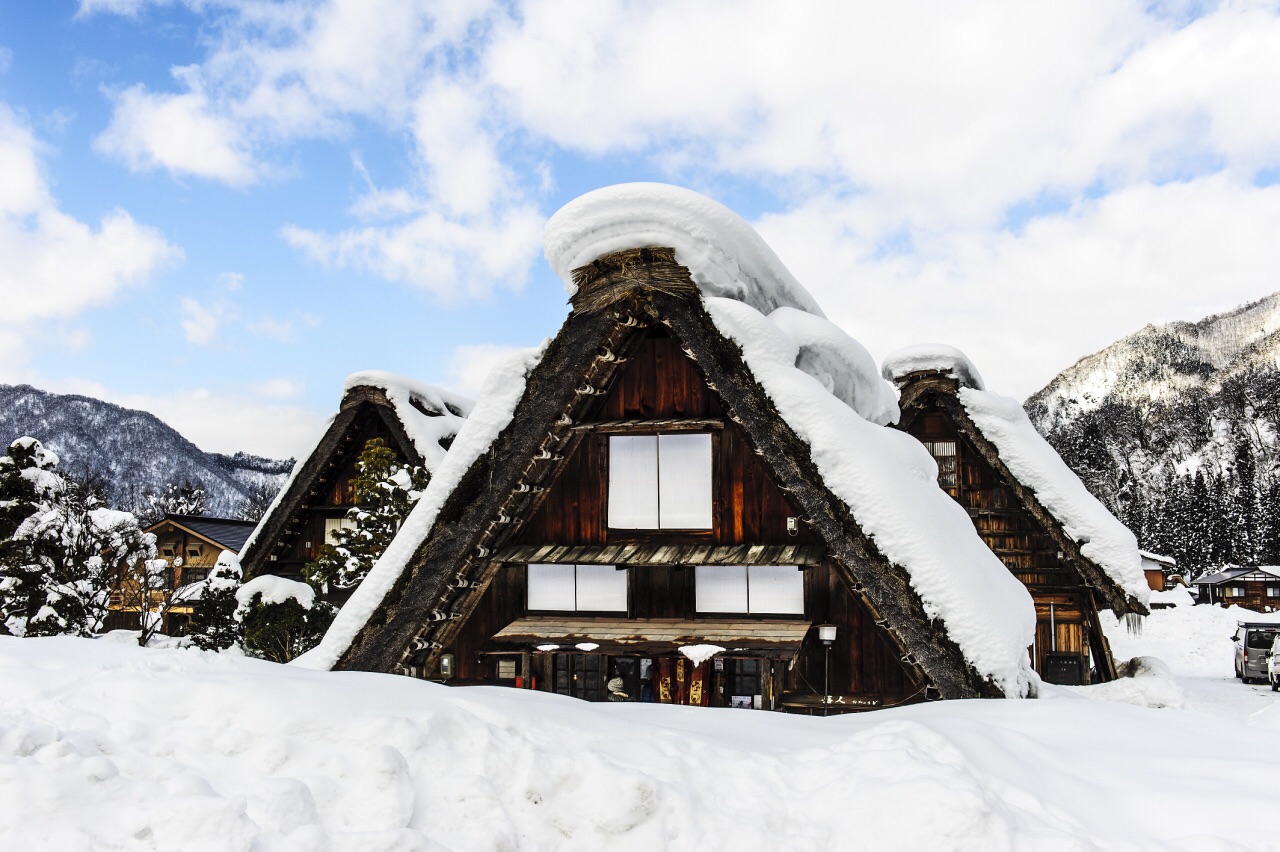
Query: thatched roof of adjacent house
[[961, 622], [1100, 546], [421, 419]]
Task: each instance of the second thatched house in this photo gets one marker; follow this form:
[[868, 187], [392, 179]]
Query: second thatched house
[[1030, 508], [417, 421]]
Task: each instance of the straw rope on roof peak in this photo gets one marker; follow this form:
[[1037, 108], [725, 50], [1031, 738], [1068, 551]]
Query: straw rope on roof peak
[[620, 275]]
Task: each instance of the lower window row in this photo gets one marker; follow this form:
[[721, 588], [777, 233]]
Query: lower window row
[[754, 589]]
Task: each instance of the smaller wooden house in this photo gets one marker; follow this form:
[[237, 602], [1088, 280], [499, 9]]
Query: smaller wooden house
[[190, 546], [1030, 508], [417, 421], [1256, 588]]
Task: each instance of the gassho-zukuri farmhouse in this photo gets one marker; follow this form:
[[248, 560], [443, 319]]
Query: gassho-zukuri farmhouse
[[700, 491]]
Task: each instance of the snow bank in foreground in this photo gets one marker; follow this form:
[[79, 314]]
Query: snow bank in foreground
[[1037, 465], [113, 747], [890, 483], [498, 398], [931, 356]]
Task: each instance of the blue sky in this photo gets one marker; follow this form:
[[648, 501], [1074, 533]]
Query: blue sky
[[217, 209]]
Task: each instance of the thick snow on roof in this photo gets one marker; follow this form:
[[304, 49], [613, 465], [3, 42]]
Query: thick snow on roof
[[931, 356], [429, 413], [725, 256], [1101, 537], [890, 484], [502, 390]]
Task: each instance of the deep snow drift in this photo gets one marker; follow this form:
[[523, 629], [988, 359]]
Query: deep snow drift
[[106, 745]]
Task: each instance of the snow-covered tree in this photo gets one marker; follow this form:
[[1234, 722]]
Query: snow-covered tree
[[385, 491], [27, 479], [258, 499], [213, 611], [178, 498], [72, 549], [280, 618], [147, 589]]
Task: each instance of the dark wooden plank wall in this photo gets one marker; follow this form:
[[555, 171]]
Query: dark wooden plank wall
[[1015, 536], [659, 381], [862, 660], [1009, 530], [334, 495]]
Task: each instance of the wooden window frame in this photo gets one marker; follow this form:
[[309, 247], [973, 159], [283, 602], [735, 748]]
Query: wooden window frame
[[616, 613], [624, 534]]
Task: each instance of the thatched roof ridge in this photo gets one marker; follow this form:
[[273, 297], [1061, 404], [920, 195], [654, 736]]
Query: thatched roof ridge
[[944, 389], [443, 580]]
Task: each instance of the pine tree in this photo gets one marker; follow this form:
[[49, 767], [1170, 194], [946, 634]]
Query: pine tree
[[385, 491], [27, 479], [213, 623]]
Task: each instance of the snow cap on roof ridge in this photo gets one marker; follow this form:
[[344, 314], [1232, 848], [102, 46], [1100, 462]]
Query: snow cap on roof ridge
[[724, 255], [937, 357]]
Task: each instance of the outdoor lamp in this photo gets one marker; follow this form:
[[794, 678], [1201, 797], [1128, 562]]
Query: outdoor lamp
[[826, 635]]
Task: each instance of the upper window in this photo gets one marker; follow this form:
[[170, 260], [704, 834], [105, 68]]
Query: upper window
[[660, 482], [756, 589], [944, 453], [577, 588], [332, 525]]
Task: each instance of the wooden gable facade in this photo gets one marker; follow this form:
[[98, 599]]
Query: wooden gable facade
[[319, 496], [640, 359], [1067, 587]]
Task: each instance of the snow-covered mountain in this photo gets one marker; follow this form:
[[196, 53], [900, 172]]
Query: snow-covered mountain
[[134, 452], [1175, 428]]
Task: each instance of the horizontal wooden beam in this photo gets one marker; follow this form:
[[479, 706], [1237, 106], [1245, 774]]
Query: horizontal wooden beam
[[665, 554], [670, 424]]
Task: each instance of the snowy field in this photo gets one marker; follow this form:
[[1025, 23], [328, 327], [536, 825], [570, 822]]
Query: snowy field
[[107, 746]]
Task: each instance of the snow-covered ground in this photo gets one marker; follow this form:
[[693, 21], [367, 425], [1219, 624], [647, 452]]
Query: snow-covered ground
[[104, 745]]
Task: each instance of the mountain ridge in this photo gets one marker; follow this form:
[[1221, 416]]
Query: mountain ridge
[[133, 452]]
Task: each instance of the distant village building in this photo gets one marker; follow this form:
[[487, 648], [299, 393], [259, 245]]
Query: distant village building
[[1256, 588], [1160, 570], [190, 545], [689, 495], [1073, 556], [417, 421]]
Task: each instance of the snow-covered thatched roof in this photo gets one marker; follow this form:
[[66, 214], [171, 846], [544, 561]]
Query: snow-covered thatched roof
[[786, 374], [1034, 465], [422, 419]]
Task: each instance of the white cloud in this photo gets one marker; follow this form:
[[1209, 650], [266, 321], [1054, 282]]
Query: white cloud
[[1025, 305], [469, 365], [278, 388], [128, 8], [219, 420], [56, 266], [200, 322], [923, 148], [181, 133]]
